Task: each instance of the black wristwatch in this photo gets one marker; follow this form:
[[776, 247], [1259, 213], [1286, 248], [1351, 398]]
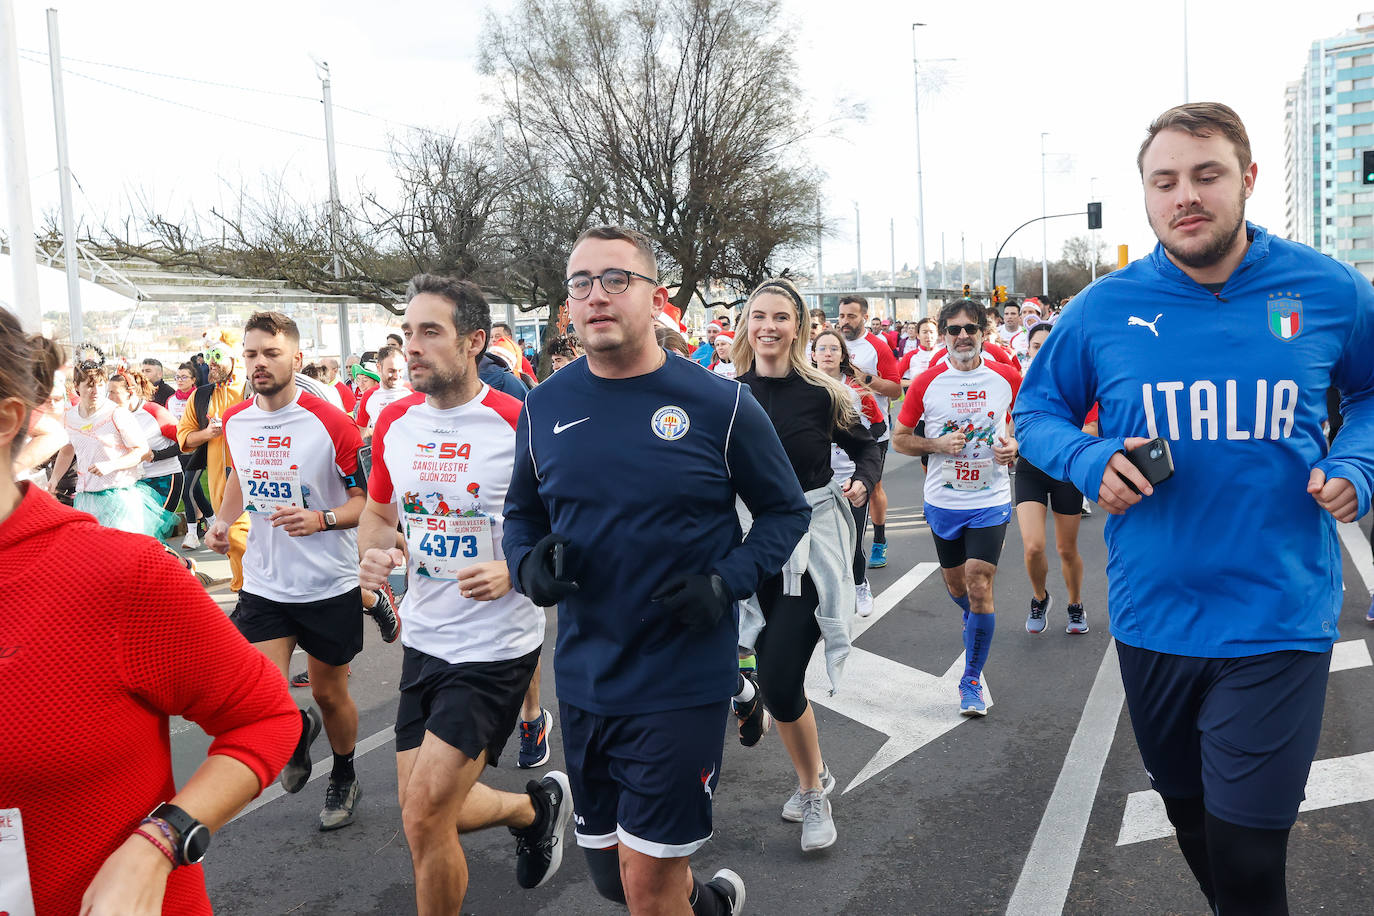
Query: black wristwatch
[[192, 837], [330, 520], [868, 379]]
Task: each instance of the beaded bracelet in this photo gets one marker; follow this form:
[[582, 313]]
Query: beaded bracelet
[[158, 843]]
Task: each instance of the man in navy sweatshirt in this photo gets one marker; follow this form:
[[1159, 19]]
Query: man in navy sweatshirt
[[621, 511], [1226, 578]]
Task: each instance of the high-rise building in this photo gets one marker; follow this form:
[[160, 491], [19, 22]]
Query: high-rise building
[[1328, 124]]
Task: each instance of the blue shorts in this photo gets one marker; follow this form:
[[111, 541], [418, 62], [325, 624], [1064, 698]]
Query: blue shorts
[[644, 780], [1238, 732], [949, 524]]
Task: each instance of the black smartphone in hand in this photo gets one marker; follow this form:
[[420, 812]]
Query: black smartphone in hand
[[1154, 460]]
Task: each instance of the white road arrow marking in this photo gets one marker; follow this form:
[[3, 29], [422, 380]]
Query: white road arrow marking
[[908, 705], [1332, 782]]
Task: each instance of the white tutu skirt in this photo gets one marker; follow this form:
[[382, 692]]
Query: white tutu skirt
[[134, 508]]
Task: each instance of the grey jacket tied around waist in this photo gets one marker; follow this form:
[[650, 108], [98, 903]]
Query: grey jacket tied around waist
[[826, 552]]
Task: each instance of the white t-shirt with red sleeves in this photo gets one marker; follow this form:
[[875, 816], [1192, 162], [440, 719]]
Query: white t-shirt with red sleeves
[[977, 403], [305, 454], [375, 400], [914, 362], [160, 429], [873, 355], [447, 472], [841, 465]]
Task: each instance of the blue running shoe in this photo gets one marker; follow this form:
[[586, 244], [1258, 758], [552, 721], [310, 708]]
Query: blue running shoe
[[1369, 614], [534, 741], [878, 558], [971, 702]]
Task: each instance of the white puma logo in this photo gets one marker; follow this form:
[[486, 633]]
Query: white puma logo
[[706, 782], [559, 427], [1142, 323]]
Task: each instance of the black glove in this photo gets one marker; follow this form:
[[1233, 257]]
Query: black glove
[[698, 600], [538, 579]]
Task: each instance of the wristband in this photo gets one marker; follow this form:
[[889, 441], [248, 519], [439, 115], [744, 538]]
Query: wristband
[[323, 526], [160, 848], [163, 826]]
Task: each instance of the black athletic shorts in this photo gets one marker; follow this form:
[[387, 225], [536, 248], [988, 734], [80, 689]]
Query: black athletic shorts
[[472, 706], [1034, 485], [329, 630]]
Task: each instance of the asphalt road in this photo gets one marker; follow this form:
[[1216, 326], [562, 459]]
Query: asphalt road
[[1027, 811]]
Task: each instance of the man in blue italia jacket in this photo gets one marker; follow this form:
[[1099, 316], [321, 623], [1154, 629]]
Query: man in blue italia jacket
[[1226, 578], [621, 510]]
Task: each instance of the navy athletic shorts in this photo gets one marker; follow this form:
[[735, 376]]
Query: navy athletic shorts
[[1238, 732], [644, 780]]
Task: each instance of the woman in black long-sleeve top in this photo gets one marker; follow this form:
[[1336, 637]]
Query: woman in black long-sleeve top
[[813, 597]]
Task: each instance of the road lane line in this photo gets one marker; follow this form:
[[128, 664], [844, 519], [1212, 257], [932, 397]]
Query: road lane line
[[1045, 878], [1358, 547], [321, 767]]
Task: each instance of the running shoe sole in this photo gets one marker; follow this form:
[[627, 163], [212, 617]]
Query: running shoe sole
[[972, 711], [296, 773], [1043, 618], [736, 883]]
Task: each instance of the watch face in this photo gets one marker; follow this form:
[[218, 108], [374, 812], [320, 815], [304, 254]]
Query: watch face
[[195, 844]]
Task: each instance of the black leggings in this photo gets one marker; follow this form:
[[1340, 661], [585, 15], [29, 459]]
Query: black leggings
[[860, 557], [1241, 870], [785, 645], [197, 503]]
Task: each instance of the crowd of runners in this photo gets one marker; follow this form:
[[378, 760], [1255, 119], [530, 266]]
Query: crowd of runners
[[498, 495]]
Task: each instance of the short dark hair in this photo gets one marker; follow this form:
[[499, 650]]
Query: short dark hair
[[930, 321], [470, 309], [970, 306], [149, 361], [623, 234], [387, 352], [860, 301], [396, 337], [819, 313], [274, 323], [510, 331], [1011, 304], [1039, 326], [189, 367], [1201, 119]]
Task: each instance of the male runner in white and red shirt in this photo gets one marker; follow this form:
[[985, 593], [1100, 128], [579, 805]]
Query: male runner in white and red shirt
[[392, 387], [441, 464], [965, 404], [874, 357], [293, 460]]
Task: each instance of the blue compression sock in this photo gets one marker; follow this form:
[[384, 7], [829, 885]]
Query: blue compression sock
[[963, 604], [978, 643]]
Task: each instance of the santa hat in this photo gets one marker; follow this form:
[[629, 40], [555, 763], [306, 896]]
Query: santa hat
[[671, 318], [508, 351], [1033, 304], [713, 324], [728, 335]]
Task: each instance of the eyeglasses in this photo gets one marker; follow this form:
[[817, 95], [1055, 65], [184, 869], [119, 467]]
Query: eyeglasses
[[954, 330], [613, 281], [216, 355], [183, 377]]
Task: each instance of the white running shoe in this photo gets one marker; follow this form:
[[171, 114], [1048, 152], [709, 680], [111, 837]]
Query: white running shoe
[[793, 808], [191, 541], [863, 598]]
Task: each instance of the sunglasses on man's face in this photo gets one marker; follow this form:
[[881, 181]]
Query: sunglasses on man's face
[[954, 330]]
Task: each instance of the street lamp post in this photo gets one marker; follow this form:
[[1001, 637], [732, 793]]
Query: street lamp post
[[1044, 228], [920, 198], [1092, 195]]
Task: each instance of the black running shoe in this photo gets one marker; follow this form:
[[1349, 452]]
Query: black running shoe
[[754, 720], [730, 886], [538, 855], [296, 773], [301, 680], [384, 613], [340, 803]]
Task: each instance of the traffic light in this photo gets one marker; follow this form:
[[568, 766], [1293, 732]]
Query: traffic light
[[1369, 166], [1095, 209], [965, 290], [999, 295]]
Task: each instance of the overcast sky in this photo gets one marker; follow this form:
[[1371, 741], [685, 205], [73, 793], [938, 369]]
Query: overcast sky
[[1089, 75]]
